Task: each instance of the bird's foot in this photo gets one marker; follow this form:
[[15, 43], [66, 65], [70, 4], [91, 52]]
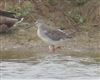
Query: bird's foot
[[59, 47], [52, 48]]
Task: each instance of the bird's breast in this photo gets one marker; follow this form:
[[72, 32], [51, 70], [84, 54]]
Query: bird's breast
[[43, 36]]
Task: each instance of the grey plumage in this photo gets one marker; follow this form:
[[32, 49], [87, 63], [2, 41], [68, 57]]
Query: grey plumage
[[50, 34], [55, 35]]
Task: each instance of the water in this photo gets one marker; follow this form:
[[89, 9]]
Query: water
[[51, 66]]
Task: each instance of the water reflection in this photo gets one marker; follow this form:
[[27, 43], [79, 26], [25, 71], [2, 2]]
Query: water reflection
[[58, 66]]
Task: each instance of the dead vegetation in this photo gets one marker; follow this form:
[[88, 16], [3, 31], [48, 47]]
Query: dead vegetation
[[64, 13], [73, 15]]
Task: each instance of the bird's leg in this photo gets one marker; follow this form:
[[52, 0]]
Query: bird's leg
[[59, 47], [52, 48]]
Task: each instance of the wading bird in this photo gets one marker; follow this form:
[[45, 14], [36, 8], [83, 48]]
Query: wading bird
[[8, 20], [50, 35]]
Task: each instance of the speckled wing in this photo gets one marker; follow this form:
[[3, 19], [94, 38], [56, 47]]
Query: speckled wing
[[56, 35]]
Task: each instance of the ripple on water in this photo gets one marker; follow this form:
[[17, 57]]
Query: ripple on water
[[52, 66]]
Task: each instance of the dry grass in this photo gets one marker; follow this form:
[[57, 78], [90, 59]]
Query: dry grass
[[83, 18]]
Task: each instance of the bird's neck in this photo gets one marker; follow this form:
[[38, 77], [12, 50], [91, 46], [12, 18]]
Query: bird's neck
[[41, 27]]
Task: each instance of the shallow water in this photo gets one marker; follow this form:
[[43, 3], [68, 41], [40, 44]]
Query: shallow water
[[55, 66]]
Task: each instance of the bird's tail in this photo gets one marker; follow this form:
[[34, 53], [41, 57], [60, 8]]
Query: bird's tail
[[68, 35]]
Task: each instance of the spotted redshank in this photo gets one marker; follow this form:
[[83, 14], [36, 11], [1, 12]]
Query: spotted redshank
[[50, 35]]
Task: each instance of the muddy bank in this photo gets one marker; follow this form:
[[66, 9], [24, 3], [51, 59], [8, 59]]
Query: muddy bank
[[82, 17], [21, 38]]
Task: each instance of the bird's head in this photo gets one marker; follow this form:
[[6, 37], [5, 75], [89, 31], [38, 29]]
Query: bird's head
[[39, 22]]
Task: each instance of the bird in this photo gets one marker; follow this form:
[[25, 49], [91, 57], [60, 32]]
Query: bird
[[8, 20], [50, 35]]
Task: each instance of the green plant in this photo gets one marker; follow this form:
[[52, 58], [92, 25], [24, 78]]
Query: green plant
[[79, 2], [20, 10], [53, 2], [78, 18]]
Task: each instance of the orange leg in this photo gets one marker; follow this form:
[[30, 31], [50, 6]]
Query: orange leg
[[52, 48], [59, 47]]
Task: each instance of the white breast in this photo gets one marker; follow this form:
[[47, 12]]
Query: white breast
[[42, 35]]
